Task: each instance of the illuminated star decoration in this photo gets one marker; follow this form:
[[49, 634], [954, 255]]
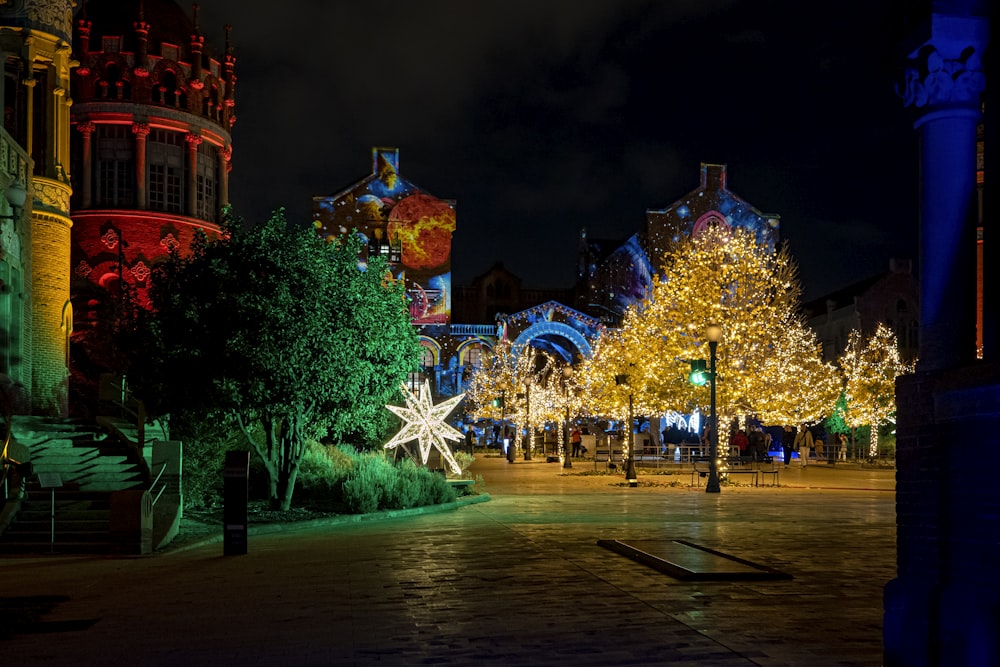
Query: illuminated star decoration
[[425, 424]]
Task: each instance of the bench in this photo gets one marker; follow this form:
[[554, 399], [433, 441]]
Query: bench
[[601, 456], [740, 465], [462, 486], [617, 458], [768, 467], [610, 457], [700, 467]]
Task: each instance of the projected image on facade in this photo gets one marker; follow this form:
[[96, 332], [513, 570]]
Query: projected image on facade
[[397, 219]]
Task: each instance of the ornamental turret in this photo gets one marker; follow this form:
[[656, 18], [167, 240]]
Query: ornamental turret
[[152, 114]]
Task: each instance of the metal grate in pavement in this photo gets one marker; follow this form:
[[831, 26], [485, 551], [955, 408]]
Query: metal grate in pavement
[[690, 562]]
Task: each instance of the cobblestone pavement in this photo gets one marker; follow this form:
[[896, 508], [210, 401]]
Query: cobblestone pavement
[[516, 580]]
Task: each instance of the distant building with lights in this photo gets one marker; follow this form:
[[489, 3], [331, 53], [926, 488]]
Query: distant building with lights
[[891, 298], [613, 277], [413, 229]]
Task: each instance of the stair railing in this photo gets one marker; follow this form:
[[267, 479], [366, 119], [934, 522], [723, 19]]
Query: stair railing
[[157, 481]]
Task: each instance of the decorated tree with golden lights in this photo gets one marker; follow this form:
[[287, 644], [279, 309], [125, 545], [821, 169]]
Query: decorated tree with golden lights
[[801, 387], [767, 361], [514, 385], [491, 383], [870, 368]]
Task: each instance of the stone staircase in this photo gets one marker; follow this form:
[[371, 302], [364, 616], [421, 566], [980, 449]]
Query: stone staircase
[[79, 472]]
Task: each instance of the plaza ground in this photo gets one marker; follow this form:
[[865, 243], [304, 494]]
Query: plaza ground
[[515, 578]]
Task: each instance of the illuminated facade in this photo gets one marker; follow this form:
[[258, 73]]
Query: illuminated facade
[[151, 148], [413, 229], [612, 277], [397, 219], [35, 310]]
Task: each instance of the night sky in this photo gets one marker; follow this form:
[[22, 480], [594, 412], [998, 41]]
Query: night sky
[[543, 117]]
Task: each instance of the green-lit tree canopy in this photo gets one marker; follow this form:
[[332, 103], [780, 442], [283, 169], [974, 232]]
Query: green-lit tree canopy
[[281, 332]]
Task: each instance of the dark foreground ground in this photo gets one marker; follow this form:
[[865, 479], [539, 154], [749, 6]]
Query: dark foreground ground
[[516, 580]]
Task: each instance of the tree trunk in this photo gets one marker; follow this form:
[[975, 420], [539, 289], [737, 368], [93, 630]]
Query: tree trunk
[[292, 446], [284, 445]]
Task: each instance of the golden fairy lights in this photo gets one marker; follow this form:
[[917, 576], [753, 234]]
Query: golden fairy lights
[[531, 384], [870, 369], [769, 363]]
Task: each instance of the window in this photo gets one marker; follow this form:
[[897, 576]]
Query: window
[[165, 157], [474, 355], [114, 150], [207, 166]]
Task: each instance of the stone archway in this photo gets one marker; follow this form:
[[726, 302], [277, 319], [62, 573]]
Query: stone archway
[[556, 330]]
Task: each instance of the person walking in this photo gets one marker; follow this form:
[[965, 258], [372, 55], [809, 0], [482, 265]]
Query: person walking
[[804, 443], [788, 442], [576, 439]]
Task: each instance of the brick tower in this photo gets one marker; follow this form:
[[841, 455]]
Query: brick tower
[[151, 148], [35, 48]]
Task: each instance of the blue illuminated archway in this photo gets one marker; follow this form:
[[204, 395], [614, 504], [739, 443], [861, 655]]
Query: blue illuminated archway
[[552, 328]]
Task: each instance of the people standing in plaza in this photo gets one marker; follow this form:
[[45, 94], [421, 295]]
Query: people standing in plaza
[[739, 444], [804, 443], [757, 447], [842, 446], [576, 439], [819, 447], [788, 442]]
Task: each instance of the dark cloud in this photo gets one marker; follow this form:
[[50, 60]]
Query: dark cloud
[[542, 118]]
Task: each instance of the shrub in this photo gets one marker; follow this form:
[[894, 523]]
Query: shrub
[[367, 484], [464, 460], [374, 483]]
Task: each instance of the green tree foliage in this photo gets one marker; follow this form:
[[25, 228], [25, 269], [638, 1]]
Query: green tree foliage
[[279, 332]]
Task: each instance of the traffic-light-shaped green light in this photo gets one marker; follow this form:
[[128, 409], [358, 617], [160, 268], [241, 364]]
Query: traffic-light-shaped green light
[[498, 402], [699, 374]]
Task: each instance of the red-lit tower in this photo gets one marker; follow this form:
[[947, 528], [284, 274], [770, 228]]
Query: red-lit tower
[[153, 107]]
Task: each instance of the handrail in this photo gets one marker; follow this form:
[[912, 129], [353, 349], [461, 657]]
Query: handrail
[[153, 485]]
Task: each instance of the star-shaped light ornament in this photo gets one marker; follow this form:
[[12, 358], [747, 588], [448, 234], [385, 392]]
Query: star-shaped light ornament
[[425, 424]]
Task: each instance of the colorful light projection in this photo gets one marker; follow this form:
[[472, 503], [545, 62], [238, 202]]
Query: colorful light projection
[[425, 423], [397, 219]]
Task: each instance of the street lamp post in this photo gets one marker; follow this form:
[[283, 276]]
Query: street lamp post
[[567, 461], [714, 335]]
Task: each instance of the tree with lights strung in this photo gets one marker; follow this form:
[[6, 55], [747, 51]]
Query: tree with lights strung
[[605, 377], [729, 278], [491, 384], [518, 377], [280, 333], [870, 369], [802, 388]]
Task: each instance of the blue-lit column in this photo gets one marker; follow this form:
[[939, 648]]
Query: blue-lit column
[[944, 83], [941, 609]]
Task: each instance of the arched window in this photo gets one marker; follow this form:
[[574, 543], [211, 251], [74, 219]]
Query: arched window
[[168, 89]]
